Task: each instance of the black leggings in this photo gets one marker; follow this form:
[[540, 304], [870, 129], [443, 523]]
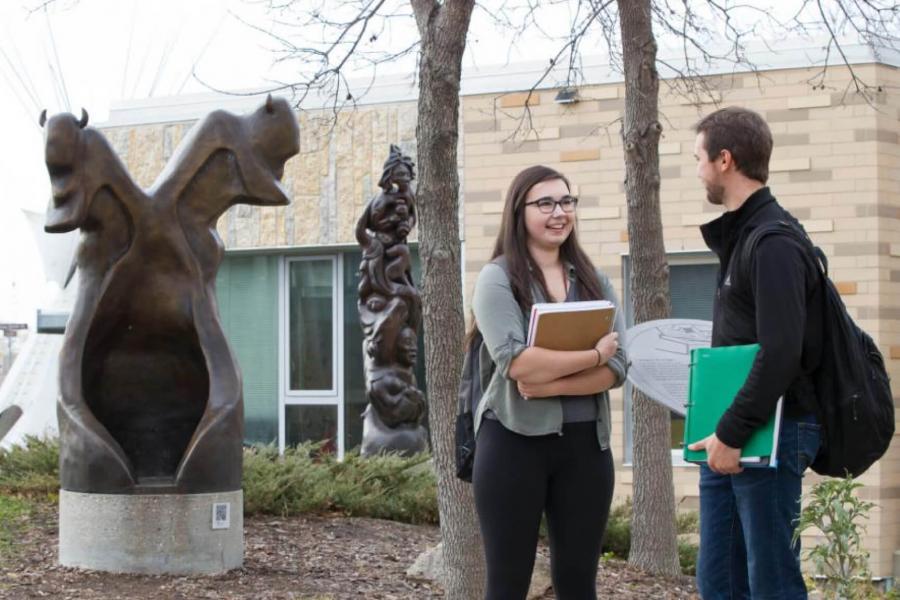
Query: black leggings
[[516, 479]]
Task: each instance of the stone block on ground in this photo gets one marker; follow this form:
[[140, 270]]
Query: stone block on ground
[[429, 566]]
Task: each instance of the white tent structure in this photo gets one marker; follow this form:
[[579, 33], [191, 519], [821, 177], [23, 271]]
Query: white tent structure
[[31, 383]]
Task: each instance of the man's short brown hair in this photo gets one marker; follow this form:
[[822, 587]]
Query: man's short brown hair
[[744, 134]]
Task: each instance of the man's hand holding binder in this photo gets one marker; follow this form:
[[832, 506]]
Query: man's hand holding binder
[[716, 376], [721, 458]]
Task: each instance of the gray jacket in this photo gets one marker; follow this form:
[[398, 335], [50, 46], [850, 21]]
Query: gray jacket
[[503, 327]]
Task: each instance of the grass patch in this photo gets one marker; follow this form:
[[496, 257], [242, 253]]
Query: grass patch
[[305, 480], [31, 470], [11, 512]]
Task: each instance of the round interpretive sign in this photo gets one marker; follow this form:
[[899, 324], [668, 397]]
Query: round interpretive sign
[[660, 356]]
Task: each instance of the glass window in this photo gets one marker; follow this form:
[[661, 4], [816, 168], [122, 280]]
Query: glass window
[[247, 292], [311, 423], [354, 375], [311, 310], [692, 288]]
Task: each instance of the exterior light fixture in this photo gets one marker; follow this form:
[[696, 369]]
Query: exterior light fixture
[[568, 95]]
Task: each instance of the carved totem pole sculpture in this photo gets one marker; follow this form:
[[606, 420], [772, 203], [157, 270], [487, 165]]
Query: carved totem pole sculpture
[[150, 395], [390, 313]]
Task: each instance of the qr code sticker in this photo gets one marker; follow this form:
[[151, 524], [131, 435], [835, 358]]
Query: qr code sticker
[[221, 515]]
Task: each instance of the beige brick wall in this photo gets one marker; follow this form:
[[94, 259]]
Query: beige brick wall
[[882, 141], [331, 180], [836, 166]]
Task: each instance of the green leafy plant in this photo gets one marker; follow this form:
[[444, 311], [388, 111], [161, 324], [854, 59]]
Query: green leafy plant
[[833, 508]]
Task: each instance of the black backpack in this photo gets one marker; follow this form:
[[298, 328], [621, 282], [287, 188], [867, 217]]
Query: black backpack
[[470, 392], [853, 395]]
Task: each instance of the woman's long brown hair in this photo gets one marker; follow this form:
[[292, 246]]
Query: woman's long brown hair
[[512, 243]]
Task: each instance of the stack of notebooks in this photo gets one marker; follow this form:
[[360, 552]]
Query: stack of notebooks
[[570, 325], [717, 375]]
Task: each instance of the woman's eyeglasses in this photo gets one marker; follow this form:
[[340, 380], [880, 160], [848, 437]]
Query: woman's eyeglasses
[[548, 205]]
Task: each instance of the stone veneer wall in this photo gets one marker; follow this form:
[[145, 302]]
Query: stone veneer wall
[[835, 166], [331, 180]]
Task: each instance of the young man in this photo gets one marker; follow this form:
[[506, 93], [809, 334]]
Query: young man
[[747, 515]]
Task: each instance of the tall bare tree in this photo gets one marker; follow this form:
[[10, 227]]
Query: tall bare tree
[[442, 31], [653, 539]]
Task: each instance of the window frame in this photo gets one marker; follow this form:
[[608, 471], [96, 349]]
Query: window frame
[[333, 397]]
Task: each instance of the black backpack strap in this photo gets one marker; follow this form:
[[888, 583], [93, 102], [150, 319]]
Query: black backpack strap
[[792, 230], [470, 389], [470, 385]]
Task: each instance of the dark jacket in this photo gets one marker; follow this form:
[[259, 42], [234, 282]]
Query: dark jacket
[[777, 301]]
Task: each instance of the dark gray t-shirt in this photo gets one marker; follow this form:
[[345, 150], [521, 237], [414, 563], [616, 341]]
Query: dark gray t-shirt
[[576, 409]]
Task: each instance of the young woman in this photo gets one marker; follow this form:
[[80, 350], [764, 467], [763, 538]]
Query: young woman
[[543, 422]]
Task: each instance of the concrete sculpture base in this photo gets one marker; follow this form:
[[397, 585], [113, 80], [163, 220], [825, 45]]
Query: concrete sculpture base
[[176, 534]]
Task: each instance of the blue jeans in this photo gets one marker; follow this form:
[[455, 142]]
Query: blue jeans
[[747, 522]]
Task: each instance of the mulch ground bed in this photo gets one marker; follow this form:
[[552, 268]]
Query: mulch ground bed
[[307, 557]]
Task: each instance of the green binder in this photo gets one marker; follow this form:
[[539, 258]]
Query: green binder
[[717, 375]]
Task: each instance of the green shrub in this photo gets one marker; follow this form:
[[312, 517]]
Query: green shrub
[[31, 470], [617, 539], [833, 508], [687, 557], [687, 522], [307, 480]]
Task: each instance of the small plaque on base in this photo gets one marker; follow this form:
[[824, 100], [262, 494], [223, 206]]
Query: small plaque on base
[[221, 515]]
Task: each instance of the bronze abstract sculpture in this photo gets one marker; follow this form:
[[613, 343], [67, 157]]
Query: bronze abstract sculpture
[[150, 394], [390, 313]]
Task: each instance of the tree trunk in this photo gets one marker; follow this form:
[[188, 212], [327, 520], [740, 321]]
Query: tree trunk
[[653, 535], [442, 29]]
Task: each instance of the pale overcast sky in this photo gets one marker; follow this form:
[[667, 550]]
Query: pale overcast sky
[[89, 53]]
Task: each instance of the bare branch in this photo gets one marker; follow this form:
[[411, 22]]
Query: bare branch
[[873, 23], [339, 37], [570, 50], [45, 4]]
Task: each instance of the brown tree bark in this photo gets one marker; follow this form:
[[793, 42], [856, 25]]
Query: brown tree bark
[[442, 28], [653, 535]]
